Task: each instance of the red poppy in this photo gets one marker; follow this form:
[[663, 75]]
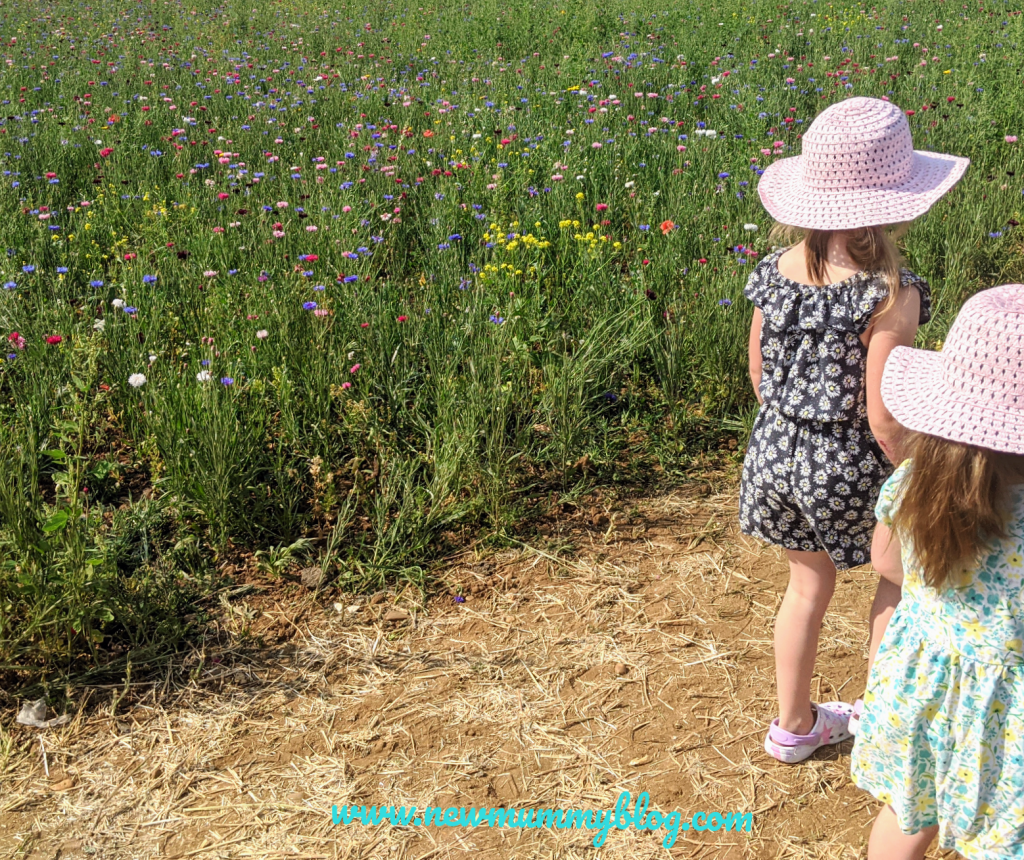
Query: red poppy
[[54, 339]]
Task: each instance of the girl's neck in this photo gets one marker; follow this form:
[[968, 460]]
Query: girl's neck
[[839, 266]]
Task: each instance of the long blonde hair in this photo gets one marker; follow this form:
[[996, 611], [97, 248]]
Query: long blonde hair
[[953, 504], [873, 249]]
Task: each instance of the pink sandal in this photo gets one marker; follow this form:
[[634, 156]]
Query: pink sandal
[[858, 708], [831, 726]]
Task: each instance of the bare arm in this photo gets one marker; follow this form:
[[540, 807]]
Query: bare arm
[[754, 353], [896, 327], [886, 554]]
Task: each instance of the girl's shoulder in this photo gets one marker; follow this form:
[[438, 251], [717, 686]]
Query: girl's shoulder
[[847, 305]]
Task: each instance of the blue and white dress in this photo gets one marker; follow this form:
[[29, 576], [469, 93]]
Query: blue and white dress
[[941, 737]]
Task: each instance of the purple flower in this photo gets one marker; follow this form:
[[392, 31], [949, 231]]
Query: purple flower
[[309, 306], [149, 279], [227, 380]]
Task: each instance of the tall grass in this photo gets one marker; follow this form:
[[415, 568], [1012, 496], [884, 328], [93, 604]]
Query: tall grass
[[500, 308]]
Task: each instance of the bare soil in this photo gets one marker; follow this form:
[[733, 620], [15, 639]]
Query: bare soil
[[642, 661]]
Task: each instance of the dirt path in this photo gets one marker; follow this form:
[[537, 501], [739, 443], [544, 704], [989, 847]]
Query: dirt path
[[644, 664]]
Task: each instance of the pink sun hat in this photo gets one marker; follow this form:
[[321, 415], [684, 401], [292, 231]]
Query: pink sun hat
[[973, 390], [858, 168]]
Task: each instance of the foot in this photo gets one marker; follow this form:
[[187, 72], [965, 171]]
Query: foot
[[831, 726]]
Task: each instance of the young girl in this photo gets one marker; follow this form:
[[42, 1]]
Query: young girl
[[828, 312], [941, 739]]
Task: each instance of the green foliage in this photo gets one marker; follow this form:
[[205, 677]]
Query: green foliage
[[501, 314]]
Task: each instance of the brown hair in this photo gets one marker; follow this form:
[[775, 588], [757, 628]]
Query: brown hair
[[953, 503], [873, 249]]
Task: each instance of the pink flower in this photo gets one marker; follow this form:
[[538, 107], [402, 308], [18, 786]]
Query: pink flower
[[278, 234], [1010, 138], [282, 204], [557, 177], [402, 318], [209, 273], [223, 196], [54, 339], [16, 340], [218, 229], [346, 385], [346, 208], [601, 207], [354, 368], [311, 228], [106, 151]]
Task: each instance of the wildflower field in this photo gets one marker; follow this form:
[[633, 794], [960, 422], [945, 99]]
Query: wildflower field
[[352, 286]]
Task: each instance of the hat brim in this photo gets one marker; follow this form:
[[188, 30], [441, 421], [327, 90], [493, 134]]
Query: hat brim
[[789, 201], [914, 390]]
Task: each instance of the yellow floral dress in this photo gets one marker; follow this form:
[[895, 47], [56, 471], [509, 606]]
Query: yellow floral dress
[[941, 737]]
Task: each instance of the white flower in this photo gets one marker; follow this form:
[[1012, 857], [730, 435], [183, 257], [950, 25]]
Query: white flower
[[262, 334], [152, 358], [750, 228], [118, 303], [715, 80], [711, 133], [137, 380], [581, 178], [630, 184], [99, 325], [203, 376], [700, 132]]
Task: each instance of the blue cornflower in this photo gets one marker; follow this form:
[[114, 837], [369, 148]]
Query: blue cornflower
[[996, 234], [130, 310], [496, 319], [348, 279], [309, 306], [28, 270], [96, 283], [10, 285], [725, 303], [307, 274], [205, 362], [227, 380], [149, 279], [319, 288], [62, 270], [723, 175], [455, 237]]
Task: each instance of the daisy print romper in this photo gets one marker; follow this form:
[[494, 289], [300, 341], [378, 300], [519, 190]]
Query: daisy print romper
[[813, 469]]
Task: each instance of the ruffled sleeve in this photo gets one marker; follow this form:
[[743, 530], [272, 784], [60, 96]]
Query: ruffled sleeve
[[864, 298], [759, 282], [888, 496]]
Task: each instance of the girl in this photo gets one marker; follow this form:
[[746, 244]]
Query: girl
[[828, 312], [941, 738]]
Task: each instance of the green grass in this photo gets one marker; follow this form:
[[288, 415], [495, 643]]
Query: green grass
[[441, 384]]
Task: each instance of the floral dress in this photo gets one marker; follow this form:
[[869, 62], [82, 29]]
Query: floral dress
[[813, 469], [941, 737]]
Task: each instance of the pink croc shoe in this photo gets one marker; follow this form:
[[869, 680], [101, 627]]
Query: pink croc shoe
[[858, 709], [831, 725]]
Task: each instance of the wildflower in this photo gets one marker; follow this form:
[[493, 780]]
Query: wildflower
[[209, 273], [16, 340], [725, 303], [309, 306], [131, 310], [149, 279], [282, 204], [10, 285], [403, 318], [995, 234], [129, 257], [262, 334], [118, 303], [458, 598], [54, 339], [1010, 138], [750, 228], [96, 283], [137, 380], [106, 151], [346, 385], [62, 270], [354, 368], [28, 270], [494, 318], [203, 376], [227, 380], [667, 227]]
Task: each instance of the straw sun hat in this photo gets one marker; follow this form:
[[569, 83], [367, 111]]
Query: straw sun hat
[[973, 390], [858, 168]]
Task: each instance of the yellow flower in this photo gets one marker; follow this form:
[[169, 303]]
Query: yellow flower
[[579, 195]]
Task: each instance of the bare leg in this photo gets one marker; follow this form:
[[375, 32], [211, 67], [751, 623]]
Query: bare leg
[[812, 580], [888, 842]]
